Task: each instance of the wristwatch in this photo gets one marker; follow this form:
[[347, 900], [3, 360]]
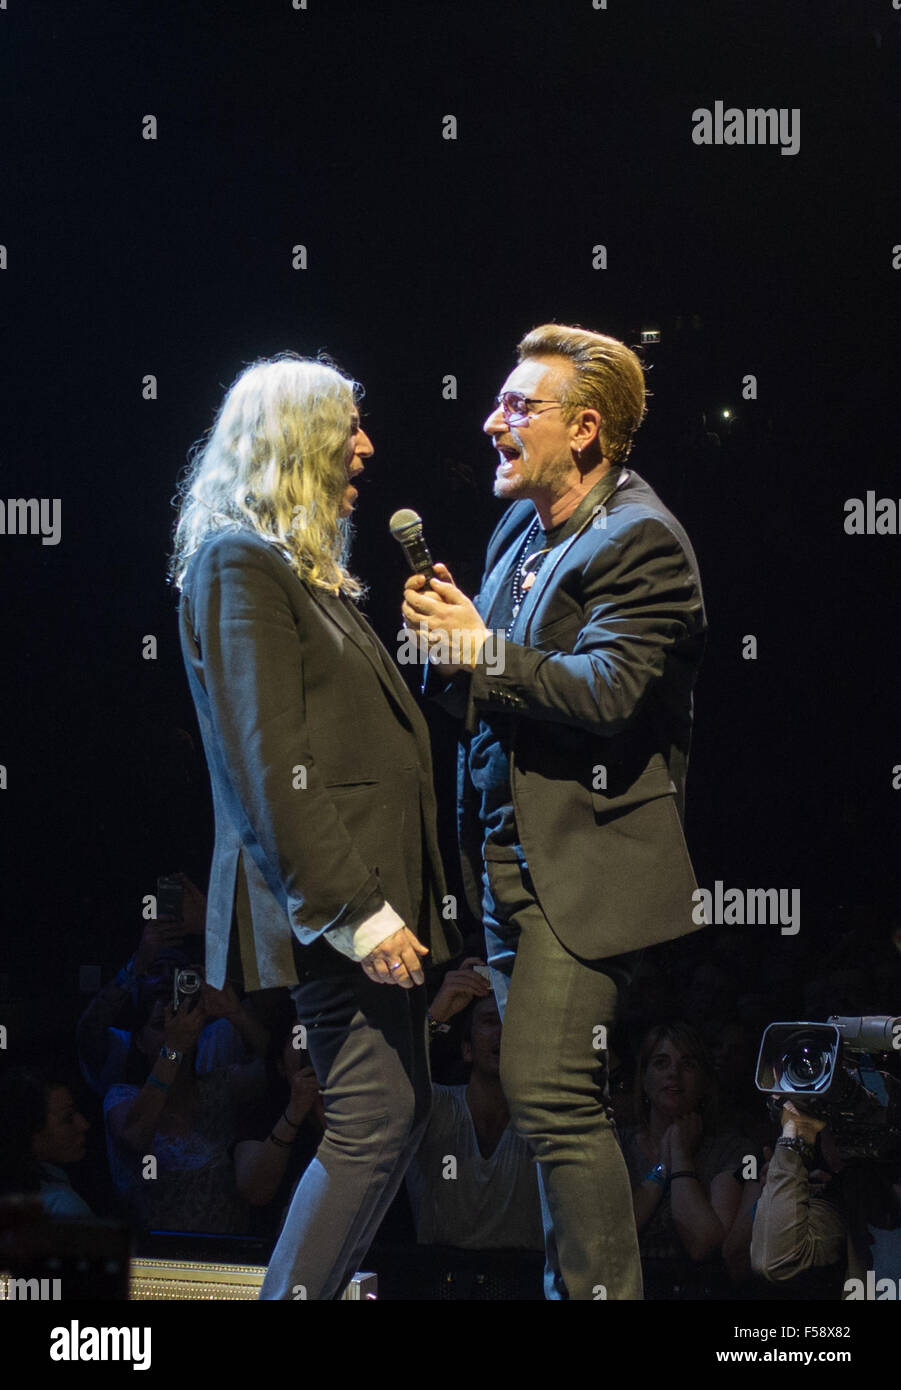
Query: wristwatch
[[169, 1054], [801, 1146]]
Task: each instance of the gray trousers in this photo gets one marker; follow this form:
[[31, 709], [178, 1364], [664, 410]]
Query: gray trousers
[[556, 1084], [367, 1043]]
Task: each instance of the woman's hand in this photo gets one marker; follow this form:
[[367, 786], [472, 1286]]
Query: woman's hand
[[304, 1090], [685, 1135], [395, 961]]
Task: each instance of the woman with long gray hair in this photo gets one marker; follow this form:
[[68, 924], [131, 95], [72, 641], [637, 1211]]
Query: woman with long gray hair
[[326, 875]]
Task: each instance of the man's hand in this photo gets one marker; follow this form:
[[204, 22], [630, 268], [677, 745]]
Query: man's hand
[[457, 989], [446, 618], [796, 1125], [401, 951]]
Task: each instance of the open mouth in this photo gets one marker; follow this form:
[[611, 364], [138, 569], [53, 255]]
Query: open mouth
[[507, 457]]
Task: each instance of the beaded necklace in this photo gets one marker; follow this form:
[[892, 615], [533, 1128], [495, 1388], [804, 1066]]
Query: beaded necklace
[[523, 575]]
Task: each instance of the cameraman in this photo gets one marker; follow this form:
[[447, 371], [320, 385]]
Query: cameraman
[[852, 1222]]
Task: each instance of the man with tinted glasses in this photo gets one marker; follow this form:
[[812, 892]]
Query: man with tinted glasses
[[572, 765]]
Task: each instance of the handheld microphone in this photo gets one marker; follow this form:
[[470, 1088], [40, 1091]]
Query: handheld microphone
[[406, 528]]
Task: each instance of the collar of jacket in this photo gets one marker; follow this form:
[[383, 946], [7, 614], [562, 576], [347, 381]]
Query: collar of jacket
[[343, 613], [592, 505]]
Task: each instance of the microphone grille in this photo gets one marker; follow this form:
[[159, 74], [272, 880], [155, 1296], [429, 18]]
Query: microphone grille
[[404, 520]]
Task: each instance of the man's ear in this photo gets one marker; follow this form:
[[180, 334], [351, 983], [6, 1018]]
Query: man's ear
[[587, 434]]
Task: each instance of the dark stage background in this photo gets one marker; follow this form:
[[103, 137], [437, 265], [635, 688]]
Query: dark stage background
[[429, 257]]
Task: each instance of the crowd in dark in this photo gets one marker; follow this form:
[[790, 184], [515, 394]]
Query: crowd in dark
[[218, 1150]]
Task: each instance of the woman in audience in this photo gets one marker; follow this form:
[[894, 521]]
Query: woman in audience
[[683, 1167], [41, 1131]]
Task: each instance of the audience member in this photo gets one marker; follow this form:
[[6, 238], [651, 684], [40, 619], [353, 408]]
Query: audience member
[[41, 1132], [104, 1033], [682, 1164], [287, 1125], [473, 1183], [168, 1138]]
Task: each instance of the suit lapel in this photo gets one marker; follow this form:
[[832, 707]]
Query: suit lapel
[[355, 627], [498, 571], [524, 617]]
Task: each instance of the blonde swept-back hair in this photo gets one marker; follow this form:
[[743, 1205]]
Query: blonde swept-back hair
[[607, 377], [275, 461]]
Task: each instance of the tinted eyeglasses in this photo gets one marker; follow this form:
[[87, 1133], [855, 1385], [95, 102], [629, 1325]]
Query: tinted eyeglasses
[[516, 407]]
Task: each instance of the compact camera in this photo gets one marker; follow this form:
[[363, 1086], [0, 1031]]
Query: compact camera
[[186, 985]]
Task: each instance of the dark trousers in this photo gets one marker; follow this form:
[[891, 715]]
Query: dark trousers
[[367, 1043], [555, 1080]]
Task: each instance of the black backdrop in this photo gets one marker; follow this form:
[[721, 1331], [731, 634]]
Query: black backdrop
[[428, 257]]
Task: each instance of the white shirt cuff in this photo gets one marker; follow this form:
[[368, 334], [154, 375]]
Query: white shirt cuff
[[357, 942]]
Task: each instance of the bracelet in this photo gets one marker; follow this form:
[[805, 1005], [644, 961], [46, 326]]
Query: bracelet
[[161, 1085], [801, 1146], [282, 1143], [290, 1122], [682, 1173]]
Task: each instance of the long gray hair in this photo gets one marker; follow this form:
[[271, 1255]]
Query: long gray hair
[[275, 460]]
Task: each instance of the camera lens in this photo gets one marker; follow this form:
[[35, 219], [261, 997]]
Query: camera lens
[[805, 1062]]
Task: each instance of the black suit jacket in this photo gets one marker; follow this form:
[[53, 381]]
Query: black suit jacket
[[599, 672], [319, 761]]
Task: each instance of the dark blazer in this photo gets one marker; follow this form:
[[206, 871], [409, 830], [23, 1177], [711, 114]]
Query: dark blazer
[[599, 672], [319, 761]]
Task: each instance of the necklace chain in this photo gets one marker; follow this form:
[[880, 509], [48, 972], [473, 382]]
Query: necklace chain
[[520, 588], [522, 569]]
